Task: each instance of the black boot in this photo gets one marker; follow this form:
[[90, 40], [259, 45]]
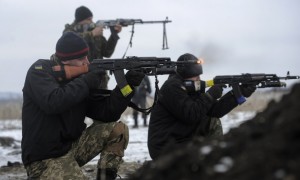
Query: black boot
[[106, 174]]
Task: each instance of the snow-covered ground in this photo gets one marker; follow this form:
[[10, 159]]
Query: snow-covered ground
[[10, 128], [137, 150]]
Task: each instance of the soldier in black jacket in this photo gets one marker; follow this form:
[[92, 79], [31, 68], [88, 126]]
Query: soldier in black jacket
[[55, 139], [184, 110]]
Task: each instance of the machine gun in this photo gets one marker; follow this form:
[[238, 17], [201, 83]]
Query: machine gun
[[127, 22], [132, 22], [259, 80]]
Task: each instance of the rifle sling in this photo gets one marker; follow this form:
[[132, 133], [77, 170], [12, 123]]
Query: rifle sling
[[122, 82]]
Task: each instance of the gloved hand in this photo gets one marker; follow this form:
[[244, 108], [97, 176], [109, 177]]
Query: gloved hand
[[97, 31], [114, 30], [247, 89], [134, 78], [93, 77], [215, 91]]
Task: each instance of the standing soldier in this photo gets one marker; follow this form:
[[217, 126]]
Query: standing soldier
[[84, 26], [140, 99]]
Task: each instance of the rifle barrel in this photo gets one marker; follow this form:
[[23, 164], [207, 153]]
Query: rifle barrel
[[289, 77], [153, 22]]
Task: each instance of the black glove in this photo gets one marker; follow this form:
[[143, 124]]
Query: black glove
[[93, 77], [215, 91], [134, 78], [113, 32], [247, 89]]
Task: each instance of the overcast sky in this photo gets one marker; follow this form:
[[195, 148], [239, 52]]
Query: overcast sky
[[233, 36]]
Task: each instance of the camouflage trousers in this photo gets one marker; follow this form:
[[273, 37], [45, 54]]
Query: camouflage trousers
[[104, 81], [215, 128], [108, 139]]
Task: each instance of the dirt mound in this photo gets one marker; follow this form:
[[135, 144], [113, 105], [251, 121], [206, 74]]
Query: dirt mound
[[266, 147]]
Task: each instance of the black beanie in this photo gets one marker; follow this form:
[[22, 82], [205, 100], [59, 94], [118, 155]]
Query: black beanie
[[71, 46], [82, 13], [189, 70]]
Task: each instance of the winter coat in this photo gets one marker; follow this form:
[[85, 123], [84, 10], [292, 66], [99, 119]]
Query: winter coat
[[178, 115], [53, 113]]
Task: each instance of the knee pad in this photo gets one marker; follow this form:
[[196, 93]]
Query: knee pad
[[118, 139]]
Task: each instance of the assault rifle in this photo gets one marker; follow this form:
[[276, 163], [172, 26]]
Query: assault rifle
[[259, 80], [151, 66], [132, 22]]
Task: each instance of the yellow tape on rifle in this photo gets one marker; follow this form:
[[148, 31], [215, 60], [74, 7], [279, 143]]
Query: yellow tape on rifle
[[126, 90], [209, 83]]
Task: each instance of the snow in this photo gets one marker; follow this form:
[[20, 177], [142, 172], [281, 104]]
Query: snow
[[11, 128], [136, 151]]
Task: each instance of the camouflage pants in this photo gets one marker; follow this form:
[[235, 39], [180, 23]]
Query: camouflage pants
[[215, 128], [104, 81], [109, 139]]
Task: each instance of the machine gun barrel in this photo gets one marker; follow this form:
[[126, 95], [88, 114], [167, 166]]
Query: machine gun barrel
[[127, 22]]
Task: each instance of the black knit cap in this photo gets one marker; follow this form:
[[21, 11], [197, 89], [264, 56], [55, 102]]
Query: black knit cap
[[82, 13], [190, 70], [71, 46]]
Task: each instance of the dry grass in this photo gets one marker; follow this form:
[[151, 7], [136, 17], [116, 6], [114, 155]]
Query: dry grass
[[11, 109]]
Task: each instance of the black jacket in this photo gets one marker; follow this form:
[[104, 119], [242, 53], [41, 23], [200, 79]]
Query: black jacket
[[53, 113], [177, 115]]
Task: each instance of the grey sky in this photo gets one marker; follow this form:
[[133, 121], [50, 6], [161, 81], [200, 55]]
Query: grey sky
[[234, 36]]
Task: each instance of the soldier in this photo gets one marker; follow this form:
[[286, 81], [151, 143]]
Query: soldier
[[84, 26], [140, 99], [55, 139], [185, 111]]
